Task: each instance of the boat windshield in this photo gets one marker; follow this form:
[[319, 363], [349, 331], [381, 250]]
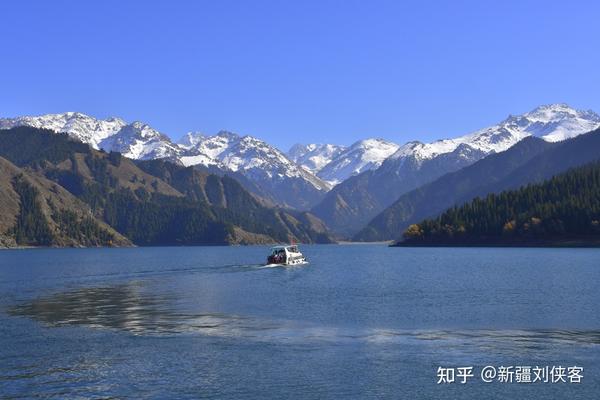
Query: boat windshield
[[278, 250], [293, 249]]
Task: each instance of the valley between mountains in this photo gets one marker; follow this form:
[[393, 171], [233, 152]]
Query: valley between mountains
[[74, 180]]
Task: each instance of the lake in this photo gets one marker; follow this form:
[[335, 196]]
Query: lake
[[360, 321]]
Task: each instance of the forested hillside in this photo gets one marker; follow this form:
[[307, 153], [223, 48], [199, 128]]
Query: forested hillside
[[530, 161], [153, 202], [37, 212], [564, 210]]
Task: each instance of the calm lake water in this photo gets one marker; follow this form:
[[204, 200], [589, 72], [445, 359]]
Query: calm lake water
[[361, 321]]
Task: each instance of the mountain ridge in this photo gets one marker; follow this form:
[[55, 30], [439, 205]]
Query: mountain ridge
[[304, 178], [349, 206], [529, 161], [155, 202], [261, 163]]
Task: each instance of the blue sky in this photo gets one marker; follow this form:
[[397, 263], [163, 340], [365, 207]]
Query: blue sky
[[300, 71]]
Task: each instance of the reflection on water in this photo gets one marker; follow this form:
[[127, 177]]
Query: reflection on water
[[132, 308], [125, 307]]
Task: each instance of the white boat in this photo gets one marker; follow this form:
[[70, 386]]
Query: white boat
[[286, 255]]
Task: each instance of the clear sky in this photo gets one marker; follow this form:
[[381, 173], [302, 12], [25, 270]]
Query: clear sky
[[300, 71]]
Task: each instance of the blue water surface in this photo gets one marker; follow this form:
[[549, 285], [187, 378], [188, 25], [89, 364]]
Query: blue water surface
[[360, 321]]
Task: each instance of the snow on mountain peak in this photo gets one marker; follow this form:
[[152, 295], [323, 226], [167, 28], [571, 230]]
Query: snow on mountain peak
[[315, 163], [77, 125], [190, 139], [373, 150], [556, 122], [140, 141], [556, 112], [314, 157], [137, 140], [361, 156], [211, 146], [552, 122], [249, 155]]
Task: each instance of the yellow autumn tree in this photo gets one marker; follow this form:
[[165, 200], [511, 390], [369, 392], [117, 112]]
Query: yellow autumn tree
[[414, 231], [509, 227]]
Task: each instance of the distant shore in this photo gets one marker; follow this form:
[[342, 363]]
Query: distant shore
[[566, 243], [388, 242]]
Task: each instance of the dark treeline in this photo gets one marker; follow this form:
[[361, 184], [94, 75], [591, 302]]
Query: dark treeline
[[31, 228], [563, 209], [24, 145], [162, 219], [85, 230]]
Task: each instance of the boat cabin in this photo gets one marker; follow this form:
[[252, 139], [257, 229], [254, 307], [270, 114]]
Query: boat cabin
[[284, 254]]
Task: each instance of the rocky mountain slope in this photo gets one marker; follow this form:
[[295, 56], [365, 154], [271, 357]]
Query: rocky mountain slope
[[271, 173], [155, 202], [368, 175], [335, 164], [364, 155], [136, 140], [529, 161], [353, 203], [314, 157], [267, 167]]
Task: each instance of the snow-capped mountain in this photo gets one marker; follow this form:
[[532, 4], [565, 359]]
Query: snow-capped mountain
[[136, 140], [79, 126], [266, 166], [314, 156], [263, 168], [206, 150], [355, 201], [361, 156], [552, 123], [302, 178], [140, 141], [335, 164], [245, 153]]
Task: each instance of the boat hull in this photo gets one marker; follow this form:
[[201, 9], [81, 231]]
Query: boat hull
[[293, 263]]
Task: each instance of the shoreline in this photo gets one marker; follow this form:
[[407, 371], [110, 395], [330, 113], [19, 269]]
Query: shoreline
[[351, 243], [565, 245]]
